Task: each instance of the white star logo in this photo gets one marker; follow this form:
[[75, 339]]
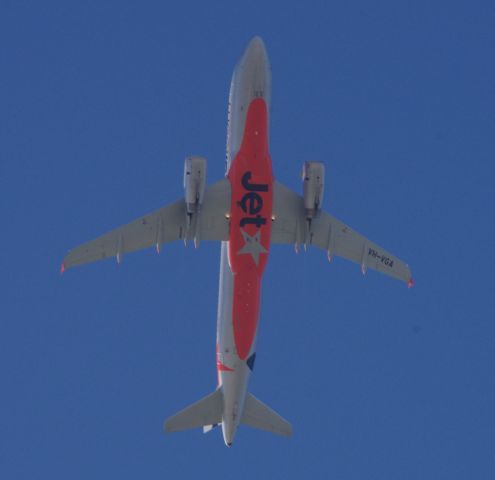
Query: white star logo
[[252, 246]]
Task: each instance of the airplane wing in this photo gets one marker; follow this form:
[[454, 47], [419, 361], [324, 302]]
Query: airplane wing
[[330, 234], [161, 226]]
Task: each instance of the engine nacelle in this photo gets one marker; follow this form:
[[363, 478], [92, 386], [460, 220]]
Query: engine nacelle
[[313, 187], [194, 182]]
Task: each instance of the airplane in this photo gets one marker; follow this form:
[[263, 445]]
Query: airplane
[[248, 211]]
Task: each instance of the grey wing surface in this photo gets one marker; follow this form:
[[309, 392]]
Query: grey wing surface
[[164, 225], [330, 234]]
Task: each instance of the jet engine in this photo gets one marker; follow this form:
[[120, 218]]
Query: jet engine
[[194, 182], [313, 187]]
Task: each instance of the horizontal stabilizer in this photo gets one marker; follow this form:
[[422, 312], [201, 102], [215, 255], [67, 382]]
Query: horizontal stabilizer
[[258, 415], [207, 411]]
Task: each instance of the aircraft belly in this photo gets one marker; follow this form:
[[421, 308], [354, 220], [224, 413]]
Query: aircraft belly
[[243, 260], [244, 256], [251, 179]]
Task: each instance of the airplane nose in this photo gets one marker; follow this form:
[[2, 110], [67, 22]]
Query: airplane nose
[[253, 72], [256, 52]]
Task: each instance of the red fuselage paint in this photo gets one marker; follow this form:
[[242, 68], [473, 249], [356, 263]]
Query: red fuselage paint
[[251, 179]]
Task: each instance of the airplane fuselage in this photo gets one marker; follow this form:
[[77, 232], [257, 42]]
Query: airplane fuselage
[[244, 255]]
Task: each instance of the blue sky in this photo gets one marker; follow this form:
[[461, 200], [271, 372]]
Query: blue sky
[[99, 104]]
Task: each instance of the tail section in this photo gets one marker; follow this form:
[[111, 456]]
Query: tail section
[[258, 415], [206, 412]]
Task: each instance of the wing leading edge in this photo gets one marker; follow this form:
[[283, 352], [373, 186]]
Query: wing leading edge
[[162, 226], [330, 234], [290, 226]]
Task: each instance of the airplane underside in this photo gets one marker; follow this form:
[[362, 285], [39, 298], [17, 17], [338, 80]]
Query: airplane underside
[[247, 212]]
